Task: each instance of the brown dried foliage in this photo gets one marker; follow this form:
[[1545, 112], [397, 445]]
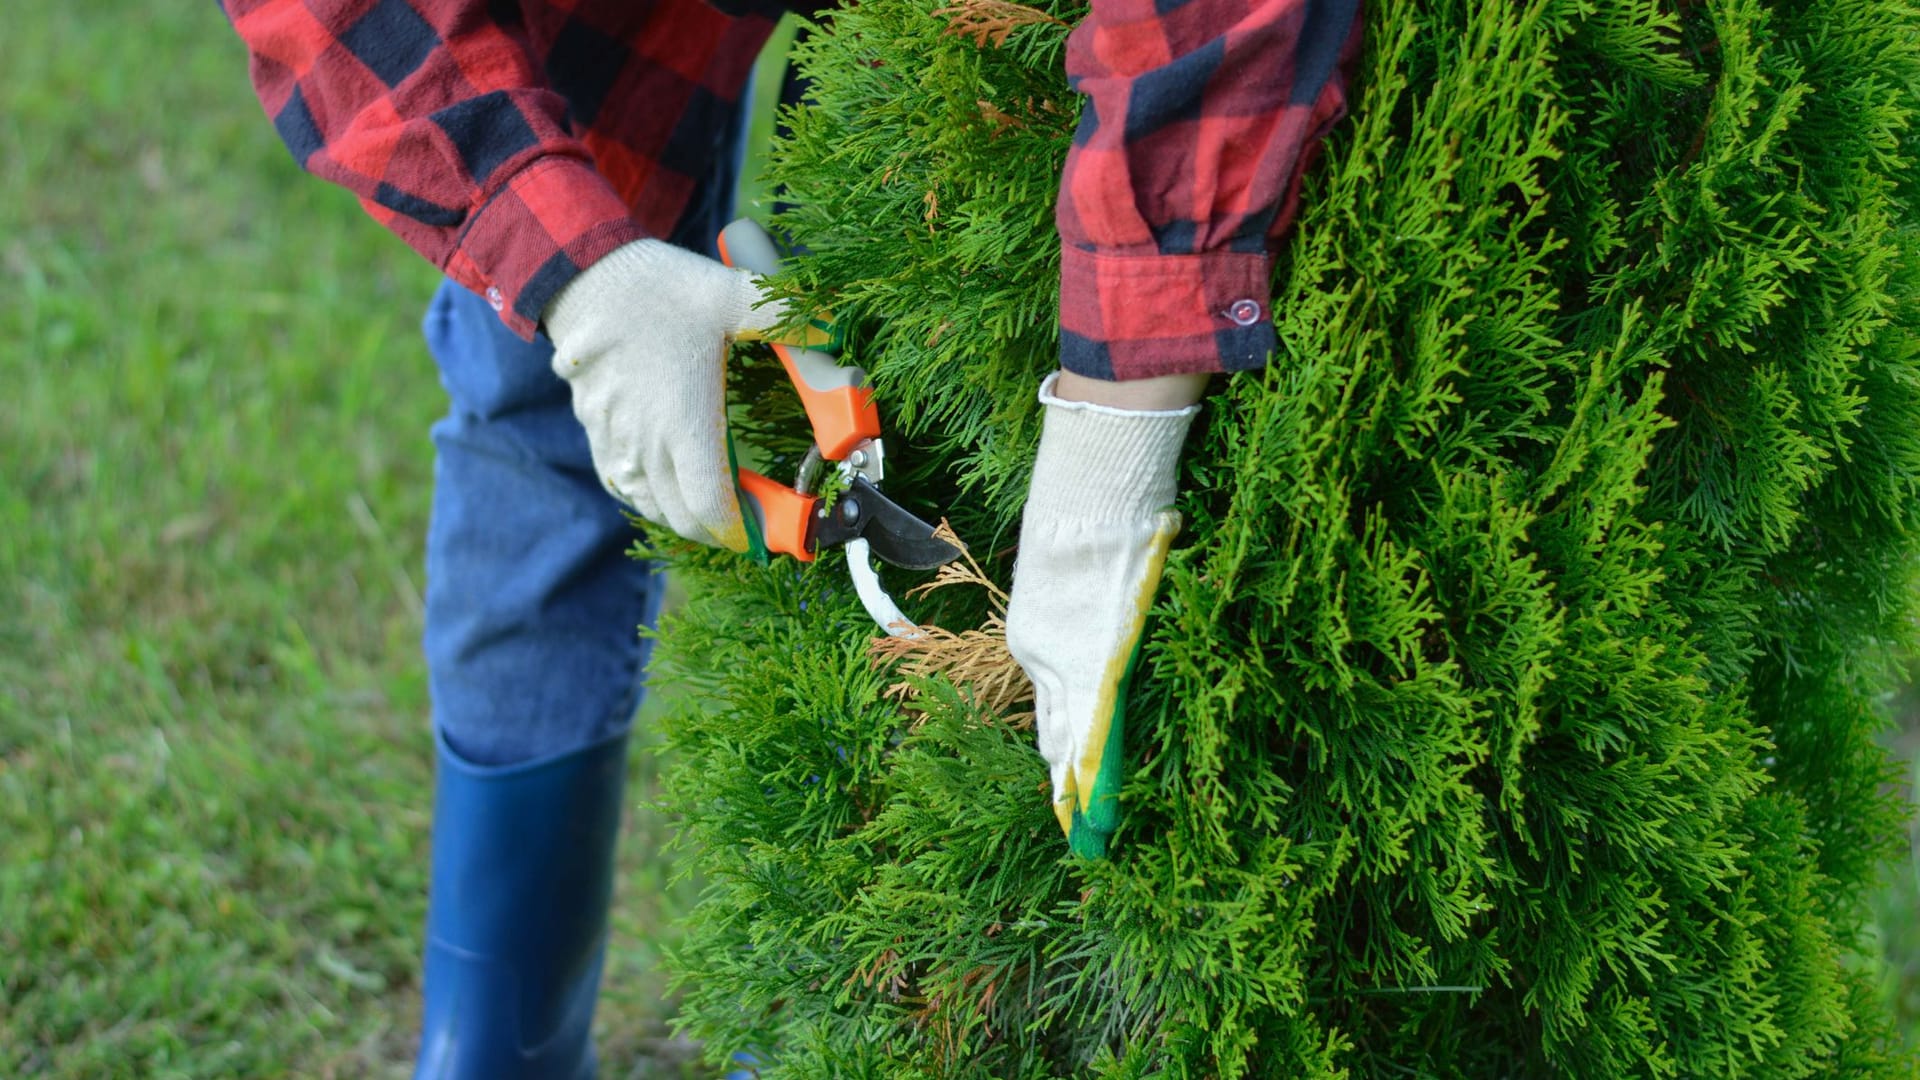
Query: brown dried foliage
[[976, 660], [997, 118], [991, 22]]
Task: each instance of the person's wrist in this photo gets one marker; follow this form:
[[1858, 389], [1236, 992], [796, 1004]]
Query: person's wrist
[[1158, 394]]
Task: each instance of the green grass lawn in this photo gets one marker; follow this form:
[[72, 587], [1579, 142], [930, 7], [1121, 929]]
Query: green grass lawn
[[214, 478], [214, 470]]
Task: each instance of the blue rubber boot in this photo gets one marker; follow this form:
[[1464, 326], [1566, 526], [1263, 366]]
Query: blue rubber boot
[[517, 915]]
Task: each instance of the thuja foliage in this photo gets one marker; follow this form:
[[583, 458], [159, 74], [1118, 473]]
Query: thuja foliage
[[1509, 705]]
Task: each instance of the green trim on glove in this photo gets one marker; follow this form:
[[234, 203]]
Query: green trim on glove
[[756, 539], [1091, 830]]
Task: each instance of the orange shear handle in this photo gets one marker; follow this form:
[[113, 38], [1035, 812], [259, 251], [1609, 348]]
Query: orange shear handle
[[780, 514], [838, 402]]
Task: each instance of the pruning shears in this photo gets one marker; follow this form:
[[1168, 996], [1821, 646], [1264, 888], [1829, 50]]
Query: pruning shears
[[793, 520]]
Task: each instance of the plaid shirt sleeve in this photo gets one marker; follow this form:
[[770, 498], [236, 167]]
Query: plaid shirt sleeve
[[1201, 117], [438, 116]]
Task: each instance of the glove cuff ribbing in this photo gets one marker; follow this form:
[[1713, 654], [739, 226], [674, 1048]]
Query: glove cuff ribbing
[[1098, 463], [604, 289]]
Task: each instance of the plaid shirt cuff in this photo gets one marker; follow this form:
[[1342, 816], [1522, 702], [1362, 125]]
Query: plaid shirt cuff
[[1138, 316], [553, 219]]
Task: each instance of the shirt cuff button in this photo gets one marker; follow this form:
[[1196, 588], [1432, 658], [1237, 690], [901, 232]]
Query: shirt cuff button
[[498, 301], [1244, 312]]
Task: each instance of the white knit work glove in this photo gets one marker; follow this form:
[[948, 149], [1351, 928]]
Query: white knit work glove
[[1093, 541], [641, 336]]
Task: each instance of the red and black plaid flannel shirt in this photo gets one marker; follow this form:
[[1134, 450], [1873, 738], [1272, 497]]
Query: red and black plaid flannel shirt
[[1201, 117], [514, 142], [511, 143]]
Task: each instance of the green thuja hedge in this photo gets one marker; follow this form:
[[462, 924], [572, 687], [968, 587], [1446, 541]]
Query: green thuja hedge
[[1509, 704]]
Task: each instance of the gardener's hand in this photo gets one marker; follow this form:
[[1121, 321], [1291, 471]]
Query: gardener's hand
[[642, 338], [1098, 523]]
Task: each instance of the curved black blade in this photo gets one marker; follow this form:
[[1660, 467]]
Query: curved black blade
[[897, 536]]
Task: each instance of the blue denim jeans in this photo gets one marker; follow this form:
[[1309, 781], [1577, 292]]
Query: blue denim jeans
[[534, 606]]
